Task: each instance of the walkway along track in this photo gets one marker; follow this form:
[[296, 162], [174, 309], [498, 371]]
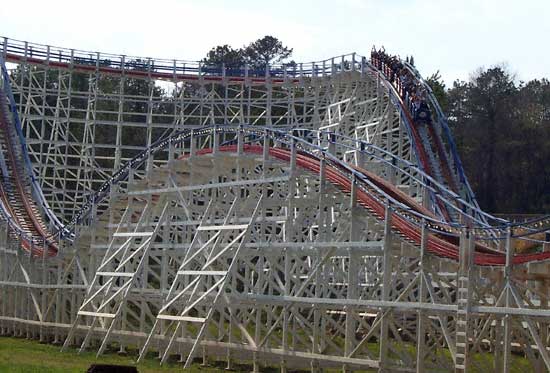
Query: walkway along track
[[18, 195], [176, 70], [438, 245], [340, 174]]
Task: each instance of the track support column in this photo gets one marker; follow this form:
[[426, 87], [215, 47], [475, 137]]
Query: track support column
[[508, 299], [422, 321], [464, 289], [353, 270], [386, 287]]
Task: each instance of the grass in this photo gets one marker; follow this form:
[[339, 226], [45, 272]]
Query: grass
[[27, 356], [19, 355]]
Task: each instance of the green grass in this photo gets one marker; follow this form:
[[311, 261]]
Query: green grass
[[19, 355], [27, 356]]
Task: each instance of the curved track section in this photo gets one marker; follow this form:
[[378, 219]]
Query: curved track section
[[374, 193], [430, 155], [21, 201], [427, 143], [333, 230]]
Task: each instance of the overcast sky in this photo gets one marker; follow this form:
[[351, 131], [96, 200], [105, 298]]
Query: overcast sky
[[452, 36]]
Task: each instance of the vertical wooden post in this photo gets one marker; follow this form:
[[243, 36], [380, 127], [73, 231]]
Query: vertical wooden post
[[421, 317], [353, 269], [386, 288], [508, 300]]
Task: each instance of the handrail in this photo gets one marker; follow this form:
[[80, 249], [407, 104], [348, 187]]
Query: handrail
[[173, 68], [442, 121], [432, 184], [280, 136], [343, 175]]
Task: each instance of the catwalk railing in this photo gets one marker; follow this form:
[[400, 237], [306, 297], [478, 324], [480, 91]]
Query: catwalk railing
[[444, 197], [24, 52], [375, 194]]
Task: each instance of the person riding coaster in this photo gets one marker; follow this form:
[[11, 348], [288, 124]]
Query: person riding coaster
[[422, 113]]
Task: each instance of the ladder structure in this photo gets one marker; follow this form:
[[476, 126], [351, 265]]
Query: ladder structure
[[202, 278], [121, 265], [464, 296]]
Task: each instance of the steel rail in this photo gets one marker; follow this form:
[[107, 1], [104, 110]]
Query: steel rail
[[19, 51], [409, 217], [436, 245]]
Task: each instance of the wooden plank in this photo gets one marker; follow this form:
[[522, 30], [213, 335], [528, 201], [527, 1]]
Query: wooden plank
[[181, 318], [203, 273], [133, 234], [96, 314], [222, 227], [115, 274]]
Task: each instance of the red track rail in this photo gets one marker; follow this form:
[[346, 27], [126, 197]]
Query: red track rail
[[440, 246], [139, 74], [423, 158], [437, 245]]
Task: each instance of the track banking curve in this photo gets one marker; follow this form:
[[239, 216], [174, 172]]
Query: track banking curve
[[373, 192], [138, 67], [21, 202], [26, 216]]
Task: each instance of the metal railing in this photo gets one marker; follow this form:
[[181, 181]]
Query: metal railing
[[16, 50]]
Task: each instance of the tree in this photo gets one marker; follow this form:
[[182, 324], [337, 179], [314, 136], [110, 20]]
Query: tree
[[225, 54], [438, 88], [533, 146], [502, 131], [267, 50]]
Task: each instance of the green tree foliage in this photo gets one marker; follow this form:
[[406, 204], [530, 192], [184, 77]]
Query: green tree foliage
[[259, 53], [267, 50], [225, 54], [438, 88], [502, 130]]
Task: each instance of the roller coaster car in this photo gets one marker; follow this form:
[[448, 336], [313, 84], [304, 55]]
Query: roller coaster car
[[423, 114]]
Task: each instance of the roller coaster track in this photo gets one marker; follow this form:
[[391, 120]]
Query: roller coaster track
[[454, 175], [18, 52], [429, 145], [24, 206], [373, 194], [18, 202], [297, 214]]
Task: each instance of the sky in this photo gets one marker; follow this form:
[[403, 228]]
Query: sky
[[454, 37]]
